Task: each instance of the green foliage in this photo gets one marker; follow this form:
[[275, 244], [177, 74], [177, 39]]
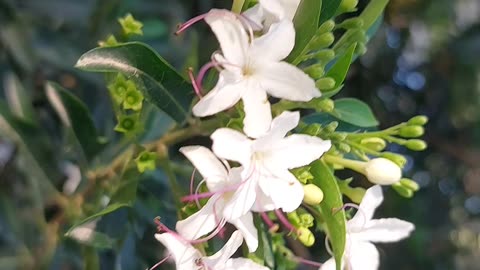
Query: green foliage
[[355, 112], [306, 24]]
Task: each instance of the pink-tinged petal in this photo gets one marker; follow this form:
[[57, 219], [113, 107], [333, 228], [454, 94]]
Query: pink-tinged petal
[[218, 260], [214, 172], [203, 221], [295, 151], [276, 44], [183, 253], [283, 80], [255, 16], [231, 35], [362, 256], [243, 264], [385, 230], [283, 189], [241, 201], [258, 115], [223, 96], [263, 203], [231, 145], [245, 225], [371, 200]]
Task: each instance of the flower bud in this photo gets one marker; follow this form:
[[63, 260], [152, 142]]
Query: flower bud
[[374, 143], [398, 159], [313, 129], [324, 105], [352, 23], [131, 26], [133, 100], [324, 56], [331, 127], [313, 194], [294, 219], [305, 236], [306, 220], [348, 5], [410, 184], [411, 131], [127, 123], [402, 190], [146, 161], [315, 71], [382, 171], [339, 136], [109, 42], [322, 41], [302, 174], [119, 87], [325, 83], [361, 49], [420, 120], [327, 26], [343, 147], [416, 145]]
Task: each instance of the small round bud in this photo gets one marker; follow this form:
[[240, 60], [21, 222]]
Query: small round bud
[[130, 26], [294, 218], [327, 26], [352, 23], [127, 123], [411, 131], [313, 129], [345, 148], [374, 143], [410, 184], [302, 174], [416, 145], [382, 171], [402, 190], [361, 49], [420, 120], [398, 159], [146, 161], [339, 136], [331, 127], [306, 220], [322, 41], [325, 83], [313, 194], [325, 105], [305, 236], [348, 5], [315, 71], [324, 56], [133, 100]]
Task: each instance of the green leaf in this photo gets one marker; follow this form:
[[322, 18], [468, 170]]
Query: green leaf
[[355, 112], [109, 209], [340, 68], [335, 220], [164, 87], [328, 10], [306, 24], [18, 99], [264, 251], [74, 115]]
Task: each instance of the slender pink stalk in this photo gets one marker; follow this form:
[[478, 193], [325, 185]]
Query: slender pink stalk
[[196, 87], [160, 262], [189, 23], [267, 220], [284, 221], [307, 262], [192, 180]]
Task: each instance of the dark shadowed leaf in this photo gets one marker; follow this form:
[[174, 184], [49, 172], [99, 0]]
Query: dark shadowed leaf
[[18, 99], [341, 66], [329, 8]]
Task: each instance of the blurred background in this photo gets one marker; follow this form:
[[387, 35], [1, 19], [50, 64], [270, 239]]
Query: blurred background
[[425, 59]]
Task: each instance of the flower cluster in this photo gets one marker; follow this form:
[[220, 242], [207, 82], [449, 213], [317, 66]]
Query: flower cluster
[[252, 171]]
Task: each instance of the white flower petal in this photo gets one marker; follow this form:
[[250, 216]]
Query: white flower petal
[[258, 116], [283, 80], [230, 34], [283, 123], [241, 201], [263, 203], [385, 230], [203, 221], [362, 256], [183, 253], [243, 264], [283, 189], [245, 225], [214, 172], [282, 9], [231, 145], [218, 260], [295, 151], [223, 96], [371, 200], [328, 265], [276, 44], [255, 16]]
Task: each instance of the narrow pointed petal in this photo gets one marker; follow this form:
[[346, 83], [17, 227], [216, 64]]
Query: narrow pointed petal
[[203, 221], [362, 256], [263, 203], [371, 200], [283, 189], [218, 260], [258, 116], [183, 253], [243, 264], [283, 80], [283, 123], [231, 145], [255, 15], [385, 230], [282, 9], [241, 201], [276, 44], [295, 151], [223, 96], [245, 225], [230, 34]]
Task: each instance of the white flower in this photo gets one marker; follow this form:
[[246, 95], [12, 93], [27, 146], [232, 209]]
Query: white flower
[[267, 12], [188, 258], [251, 69], [362, 230], [222, 184], [267, 184], [382, 171]]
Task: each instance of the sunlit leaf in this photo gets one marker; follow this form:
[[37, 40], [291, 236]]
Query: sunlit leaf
[[306, 24], [355, 112]]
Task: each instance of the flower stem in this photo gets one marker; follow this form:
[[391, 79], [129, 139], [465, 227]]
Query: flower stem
[[237, 6], [347, 163]]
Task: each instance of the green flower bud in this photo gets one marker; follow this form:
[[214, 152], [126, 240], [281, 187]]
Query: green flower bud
[[315, 71], [306, 220], [348, 5], [131, 26], [410, 184], [420, 120], [331, 127], [416, 145], [109, 42], [382, 171], [402, 190], [302, 174], [322, 41], [352, 23], [361, 49], [411, 131], [313, 129], [325, 83], [345, 148], [146, 161], [118, 88], [313, 194], [327, 26], [133, 100], [127, 123], [294, 219], [305, 236], [324, 56], [323, 104], [396, 158], [374, 143], [359, 36], [339, 136]]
